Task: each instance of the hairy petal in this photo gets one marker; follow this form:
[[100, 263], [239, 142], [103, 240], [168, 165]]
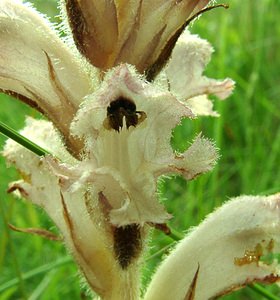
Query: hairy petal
[[135, 31], [37, 67], [74, 212], [199, 158], [202, 106], [93, 38], [227, 247], [184, 71], [163, 112], [131, 157]]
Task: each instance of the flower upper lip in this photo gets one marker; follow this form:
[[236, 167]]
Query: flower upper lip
[[60, 79], [135, 32]]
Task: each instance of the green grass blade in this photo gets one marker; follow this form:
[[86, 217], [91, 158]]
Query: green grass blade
[[42, 286], [160, 252], [17, 137], [175, 235], [35, 272], [264, 292]]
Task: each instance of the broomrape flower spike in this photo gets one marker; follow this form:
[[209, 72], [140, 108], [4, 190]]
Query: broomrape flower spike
[[113, 90]]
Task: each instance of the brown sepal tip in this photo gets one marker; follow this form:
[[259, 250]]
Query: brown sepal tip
[[37, 231]]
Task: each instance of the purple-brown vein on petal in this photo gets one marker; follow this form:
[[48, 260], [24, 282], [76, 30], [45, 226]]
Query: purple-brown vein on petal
[[37, 231], [23, 99], [191, 290], [76, 245], [17, 187], [130, 36], [77, 24], [104, 205], [152, 71], [106, 33], [58, 88], [97, 49], [145, 62], [73, 145], [43, 107], [62, 120], [152, 46], [166, 51]]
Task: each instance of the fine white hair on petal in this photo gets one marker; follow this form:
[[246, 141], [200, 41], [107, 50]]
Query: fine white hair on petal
[[184, 70], [68, 209], [199, 158], [227, 247]]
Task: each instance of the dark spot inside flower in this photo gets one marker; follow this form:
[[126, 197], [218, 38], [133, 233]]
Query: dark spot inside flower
[[121, 109], [127, 243]]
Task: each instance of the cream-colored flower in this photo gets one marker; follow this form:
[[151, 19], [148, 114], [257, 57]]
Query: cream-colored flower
[[228, 248], [134, 32], [111, 107]]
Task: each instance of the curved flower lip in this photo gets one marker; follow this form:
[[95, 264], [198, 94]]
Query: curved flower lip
[[185, 75], [130, 160], [228, 252], [135, 32]]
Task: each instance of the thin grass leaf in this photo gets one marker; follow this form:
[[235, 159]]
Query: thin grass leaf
[[17, 137], [263, 291], [42, 286], [37, 271]]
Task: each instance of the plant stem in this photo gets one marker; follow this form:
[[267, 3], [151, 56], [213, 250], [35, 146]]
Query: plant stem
[[175, 235]]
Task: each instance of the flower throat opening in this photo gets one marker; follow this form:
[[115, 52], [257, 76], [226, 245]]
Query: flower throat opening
[[123, 108]]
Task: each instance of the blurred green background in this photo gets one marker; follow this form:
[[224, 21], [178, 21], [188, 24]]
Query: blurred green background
[[247, 41]]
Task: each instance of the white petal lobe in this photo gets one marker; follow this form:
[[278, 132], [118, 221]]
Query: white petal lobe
[[185, 71]]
